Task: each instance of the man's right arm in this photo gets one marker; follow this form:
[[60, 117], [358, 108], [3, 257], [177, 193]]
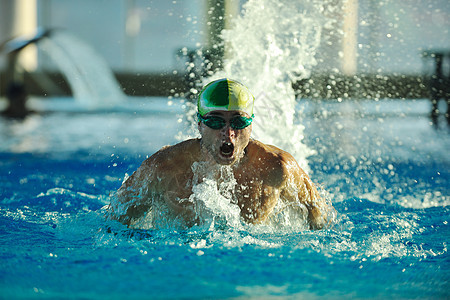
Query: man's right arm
[[132, 200]]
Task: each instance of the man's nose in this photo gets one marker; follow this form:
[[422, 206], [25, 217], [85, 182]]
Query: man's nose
[[228, 131]]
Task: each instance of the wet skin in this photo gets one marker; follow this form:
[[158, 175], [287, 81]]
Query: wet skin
[[264, 174], [227, 145]]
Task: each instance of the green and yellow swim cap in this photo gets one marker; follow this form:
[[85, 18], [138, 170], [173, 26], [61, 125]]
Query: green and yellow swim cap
[[225, 94]]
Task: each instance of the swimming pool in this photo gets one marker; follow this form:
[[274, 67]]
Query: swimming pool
[[385, 168]]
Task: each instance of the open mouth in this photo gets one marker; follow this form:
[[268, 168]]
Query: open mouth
[[227, 149]]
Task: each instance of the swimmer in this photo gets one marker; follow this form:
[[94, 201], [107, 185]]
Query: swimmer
[[264, 174]]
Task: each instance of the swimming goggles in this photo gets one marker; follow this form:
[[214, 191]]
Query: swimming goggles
[[216, 122]]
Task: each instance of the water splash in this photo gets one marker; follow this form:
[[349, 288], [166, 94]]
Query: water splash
[[213, 197], [90, 78], [271, 45]]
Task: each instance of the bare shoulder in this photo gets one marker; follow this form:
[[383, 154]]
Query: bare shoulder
[[272, 154], [279, 164], [166, 163], [175, 156], [168, 160]]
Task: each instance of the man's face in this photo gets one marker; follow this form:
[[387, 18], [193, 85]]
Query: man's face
[[225, 145]]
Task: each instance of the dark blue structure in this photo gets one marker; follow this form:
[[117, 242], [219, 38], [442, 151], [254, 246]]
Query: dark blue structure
[[439, 82]]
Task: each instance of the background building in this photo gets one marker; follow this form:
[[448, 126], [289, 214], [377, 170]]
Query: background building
[[144, 36]]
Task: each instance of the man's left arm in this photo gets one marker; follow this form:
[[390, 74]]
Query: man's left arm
[[306, 193]]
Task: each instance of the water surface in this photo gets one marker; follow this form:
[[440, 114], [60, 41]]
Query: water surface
[[385, 168]]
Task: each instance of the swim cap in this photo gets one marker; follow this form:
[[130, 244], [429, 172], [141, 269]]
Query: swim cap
[[225, 94]]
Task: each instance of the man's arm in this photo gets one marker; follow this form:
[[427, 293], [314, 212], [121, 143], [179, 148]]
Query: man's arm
[[258, 205], [299, 187], [132, 199], [161, 177], [318, 209]]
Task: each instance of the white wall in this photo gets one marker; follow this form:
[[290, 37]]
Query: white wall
[[131, 35]]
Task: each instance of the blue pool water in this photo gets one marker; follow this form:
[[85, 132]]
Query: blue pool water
[[382, 164]]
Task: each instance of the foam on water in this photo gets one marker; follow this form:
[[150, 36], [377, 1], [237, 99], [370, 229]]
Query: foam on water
[[213, 198]]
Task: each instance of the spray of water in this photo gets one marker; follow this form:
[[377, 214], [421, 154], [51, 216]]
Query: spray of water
[[272, 44], [91, 80], [213, 197]]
